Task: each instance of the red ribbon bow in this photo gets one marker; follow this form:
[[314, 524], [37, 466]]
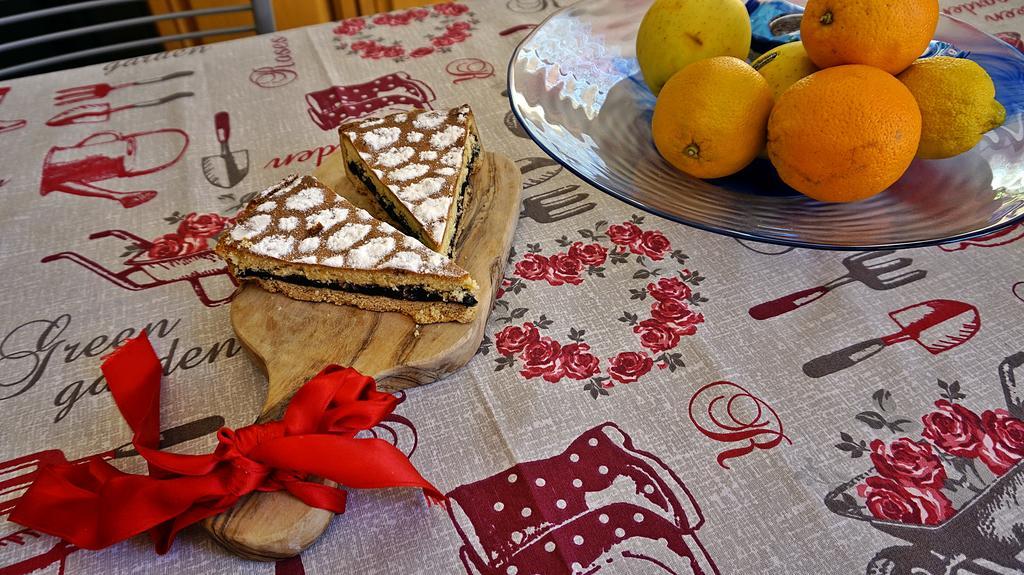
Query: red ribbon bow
[[94, 505]]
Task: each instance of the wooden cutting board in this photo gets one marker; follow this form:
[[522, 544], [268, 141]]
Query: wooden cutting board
[[293, 340]]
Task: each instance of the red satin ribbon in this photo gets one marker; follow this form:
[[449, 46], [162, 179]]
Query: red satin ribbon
[[94, 505]]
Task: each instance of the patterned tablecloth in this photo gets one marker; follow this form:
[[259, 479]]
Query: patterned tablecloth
[[637, 405]]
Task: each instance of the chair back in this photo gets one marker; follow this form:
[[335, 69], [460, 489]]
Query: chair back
[[263, 22]]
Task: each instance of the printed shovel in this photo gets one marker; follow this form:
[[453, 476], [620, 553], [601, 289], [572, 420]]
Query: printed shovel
[[95, 113], [229, 168], [937, 325]]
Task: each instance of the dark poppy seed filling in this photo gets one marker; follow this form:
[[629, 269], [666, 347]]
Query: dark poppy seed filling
[[417, 293], [385, 203]]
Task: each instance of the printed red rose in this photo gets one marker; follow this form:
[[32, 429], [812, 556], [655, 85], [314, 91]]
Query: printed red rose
[[629, 366], [193, 244], [688, 324], [399, 19], [451, 9], [363, 45], [657, 336], [201, 225], [542, 360], [591, 255], [625, 234], [908, 463], [954, 429], [578, 363], [514, 339], [532, 267], [1003, 445], [564, 269], [459, 27], [394, 51], [669, 289], [651, 244], [671, 311], [350, 27], [442, 41], [890, 501], [419, 13], [167, 246], [421, 52]]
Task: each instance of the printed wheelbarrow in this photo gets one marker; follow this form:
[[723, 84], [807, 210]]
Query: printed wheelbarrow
[[155, 272], [984, 537]]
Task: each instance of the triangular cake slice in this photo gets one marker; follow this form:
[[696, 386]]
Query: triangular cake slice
[[301, 239], [416, 166]]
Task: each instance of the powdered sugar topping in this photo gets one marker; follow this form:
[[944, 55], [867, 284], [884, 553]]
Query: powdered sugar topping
[[370, 253], [421, 190], [334, 261], [430, 120], [347, 236], [405, 261], [251, 227], [452, 158], [288, 224], [305, 200], [409, 172], [309, 244], [326, 219], [276, 246], [381, 138], [447, 137], [395, 156]]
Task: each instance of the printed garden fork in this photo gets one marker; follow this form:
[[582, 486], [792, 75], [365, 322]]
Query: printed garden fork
[[556, 205], [96, 91], [862, 267]]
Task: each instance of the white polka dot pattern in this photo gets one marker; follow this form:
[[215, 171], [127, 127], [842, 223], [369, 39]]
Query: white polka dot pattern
[[576, 510]]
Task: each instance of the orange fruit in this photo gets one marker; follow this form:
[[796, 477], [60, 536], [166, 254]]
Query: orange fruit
[[844, 134], [886, 34], [711, 116]]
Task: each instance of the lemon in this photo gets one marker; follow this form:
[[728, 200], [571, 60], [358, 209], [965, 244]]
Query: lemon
[[676, 33], [957, 101], [783, 65]]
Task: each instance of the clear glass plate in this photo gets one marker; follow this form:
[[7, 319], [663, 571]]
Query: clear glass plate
[[575, 85]]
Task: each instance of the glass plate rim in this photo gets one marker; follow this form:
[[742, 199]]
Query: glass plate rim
[[725, 231]]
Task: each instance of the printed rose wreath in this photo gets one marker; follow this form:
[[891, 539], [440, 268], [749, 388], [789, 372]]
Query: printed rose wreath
[[671, 311], [195, 233], [915, 481], [453, 24]]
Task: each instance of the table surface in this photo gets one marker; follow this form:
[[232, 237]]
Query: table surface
[[626, 412]]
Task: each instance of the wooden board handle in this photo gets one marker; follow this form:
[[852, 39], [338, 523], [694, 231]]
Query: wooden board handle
[[270, 526]]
